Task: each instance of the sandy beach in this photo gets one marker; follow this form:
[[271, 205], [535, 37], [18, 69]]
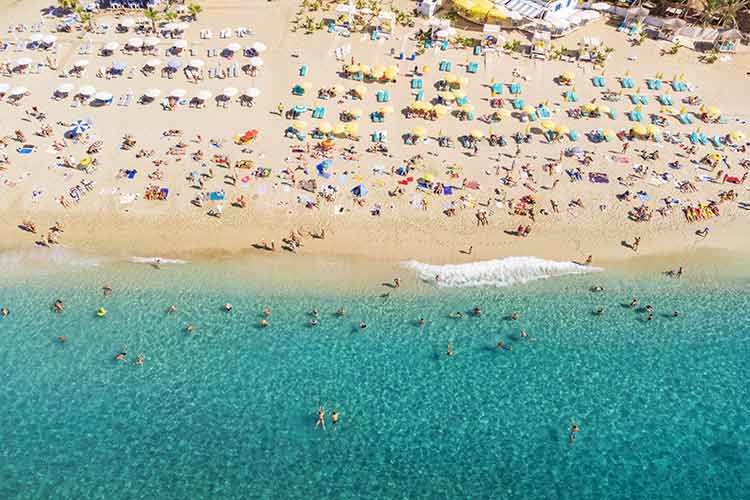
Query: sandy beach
[[113, 218]]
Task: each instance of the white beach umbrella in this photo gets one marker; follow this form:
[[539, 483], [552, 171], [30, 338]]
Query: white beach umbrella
[[170, 26], [177, 93], [252, 92], [152, 93], [234, 47], [151, 41], [105, 21], [36, 37], [154, 62], [64, 88], [23, 61], [600, 6], [204, 95], [87, 90], [180, 44], [4, 87], [136, 42], [81, 63], [256, 61], [259, 47], [16, 91], [196, 63], [49, 39], [111, 46], [127, 22], [181, 26], [229, 92], [103, 96]]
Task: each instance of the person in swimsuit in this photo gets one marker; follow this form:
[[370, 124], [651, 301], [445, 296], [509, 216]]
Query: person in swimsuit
[[315, 312], [190, 328], [515, 316], [421, 322], [172, 309], [396, 283], [574, 429], [362, 325], [477, 311], [457, 315], [675, 314], [633, 303], [314, 322], [5, 311], [228, 307], [449, 352], [107, 289], [321, 418], [649, 309], [140, 359], [62, 339], [263, 323], [121, 356], [59, 306], [266, 312], [335, 419], [524, 335], [600, 311]]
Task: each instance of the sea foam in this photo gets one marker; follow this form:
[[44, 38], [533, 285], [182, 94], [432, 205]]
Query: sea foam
[[40, 256], [153, 260], [496, 273]]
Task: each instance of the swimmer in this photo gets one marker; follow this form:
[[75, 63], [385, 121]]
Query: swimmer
[[437, 278], [62, 339], [107, 289], [172, 309], [421, 322], [59, 306], [649, 309], [597, 288], [5, 311], [449, 351], [675, 314], [122, 354], [649, 317], [600, 311], [190, 328], [633, 303], [574, 429], [477, 311], [315, 312], [515, 316], [341, 312], [321, 418], [263, 323], [266, 312], [457, 315], [140, 359], [396, 283], [362, 325], [503, 346], [314, 322], [335, 419], [524, 335], [228, 307]]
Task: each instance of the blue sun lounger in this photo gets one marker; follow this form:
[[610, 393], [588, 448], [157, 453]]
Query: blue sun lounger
[[685, 119]]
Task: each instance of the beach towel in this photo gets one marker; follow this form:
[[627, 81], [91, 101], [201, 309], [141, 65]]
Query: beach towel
[[216, 195], [643, 196], [598, 177]]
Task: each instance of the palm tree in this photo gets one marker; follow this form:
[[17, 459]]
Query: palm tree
[[170, 15], [730, 12], [68, 5], [194, 10], [153, 16]]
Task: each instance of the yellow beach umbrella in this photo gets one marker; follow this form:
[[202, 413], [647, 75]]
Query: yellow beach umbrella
[[360, 89], [467, 108], [353, 68], [608, 133], [338, 129], [477, 134], [378, 70], [364, 68], [386, 110], [440, 109], [639, 129], [588, 107], [604, 109], [450, 78], [562, 129], [502, 113], [528, 110], [305, 85], [390, 74], [463, 81], [713, 111], [568, 75], [356, 112], [393, 68], [351, 128], [714, 156], [419, 131], [737, 136], [325, 127], [458, 93], [447, 96], [547, 125], [653, 129], [299, 125]]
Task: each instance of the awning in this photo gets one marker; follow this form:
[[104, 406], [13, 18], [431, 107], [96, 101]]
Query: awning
[[526, 8]]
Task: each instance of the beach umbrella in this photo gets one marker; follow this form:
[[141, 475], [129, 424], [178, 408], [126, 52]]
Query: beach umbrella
[[325, 128], [323, 166], [568, 75], [299, 125], [135, 42], [181, 26], [180, 44], [234, 47], [588, 107], [178, 93], [153, 62], [356, 112], [547, 125], [174, 64], [639, 129], [386, 110], [87, 90], [204, 95], [450, 78], [299, 109], [64, 88], [419, 131], [714, 156], [229, 92], [36, 37], [79, 127], [196, 63], [603, 109], [476, 134], [103, 96], [378, 71], [609, 133], [360, 89], [390, 74], [737, 136], [23, 61], [419, 106], [562, 129], [151, 41], [502, 113], [252, 92], [467, 108], [713, 111], [601, 6], [364, 68], [259, 47], [49, 39], [152, 93], [351, 128], [111, 46], [338, 129], [447, 96], [119, 66], [127, 22], [81, 63], [458, 94], [256, 61], [359, 191], [653, 129], [17, 91]]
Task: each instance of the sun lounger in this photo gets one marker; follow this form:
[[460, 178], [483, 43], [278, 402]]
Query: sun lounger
[[717, 142], [303, 70], [445, 65], [515, 88], [416, 83], [685, 119], [518, 104], [653, 84], [571, 96], [497, 88], [543, 112], [444, 45], [319, 112], [419, 96], [121, 100], [573, 135], [472, 67]]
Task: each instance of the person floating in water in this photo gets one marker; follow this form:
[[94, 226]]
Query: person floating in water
[[172, 309], [5, 311], [504, 347], [633, 303], [341, 312], [477, 311], [190, 328], [266, 312], [122, 355], [421, 322], [315, 312], [140, 359], [524, 335], [599, 311], [574, 429], [335, 419], [62, 339], [59, 306], [515, 316], [263, 323], [362, 325], [449, 352], [457, 315], [313, 322], [107, 289], [321, 422], [675, 314], [228, 307]]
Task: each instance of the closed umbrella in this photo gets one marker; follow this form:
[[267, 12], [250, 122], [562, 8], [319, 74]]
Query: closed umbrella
[[259, 47], [178, 93], [152, 93], [229, 92], [204, 95], [87, 90], [252, 92]]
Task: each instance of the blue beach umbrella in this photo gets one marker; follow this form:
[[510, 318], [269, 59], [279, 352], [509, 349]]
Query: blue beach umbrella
[[360, 191], [119, 66], [322, 168], [299, 109], [79, 126], [174, 64]]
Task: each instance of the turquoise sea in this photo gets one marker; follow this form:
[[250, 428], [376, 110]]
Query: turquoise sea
[[229, 411]]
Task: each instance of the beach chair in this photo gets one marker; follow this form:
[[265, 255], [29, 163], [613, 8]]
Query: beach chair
[[633, 30], [573, 135], [298, 90], [570, 96], [515, 88], [518, 104], [445, 65], [612, 114], [374, 34], [331, 27], [653, 84], [470, 115], [428, 44], [463, 100], [303, 70], [634, 99], [444, 45], [497, 88], [419, 96], [477, 50], [644, 100], [703, 139], [472, 67], [621, 27], [319, 112], [717, 142], [685, 119], [416, 83], [543, 112]]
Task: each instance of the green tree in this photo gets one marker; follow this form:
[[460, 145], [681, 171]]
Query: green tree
[[153, 16], [170, 16], [68, 5], [194, 9]]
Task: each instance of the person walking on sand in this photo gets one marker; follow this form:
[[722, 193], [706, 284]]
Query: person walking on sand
[[625, 147], [396, 283], [636, 243], [280, 109]]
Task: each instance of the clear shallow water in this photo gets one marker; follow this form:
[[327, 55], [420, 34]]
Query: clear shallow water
[[229, 411]]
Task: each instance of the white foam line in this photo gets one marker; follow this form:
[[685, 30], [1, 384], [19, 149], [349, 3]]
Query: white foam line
[[154, 260]]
